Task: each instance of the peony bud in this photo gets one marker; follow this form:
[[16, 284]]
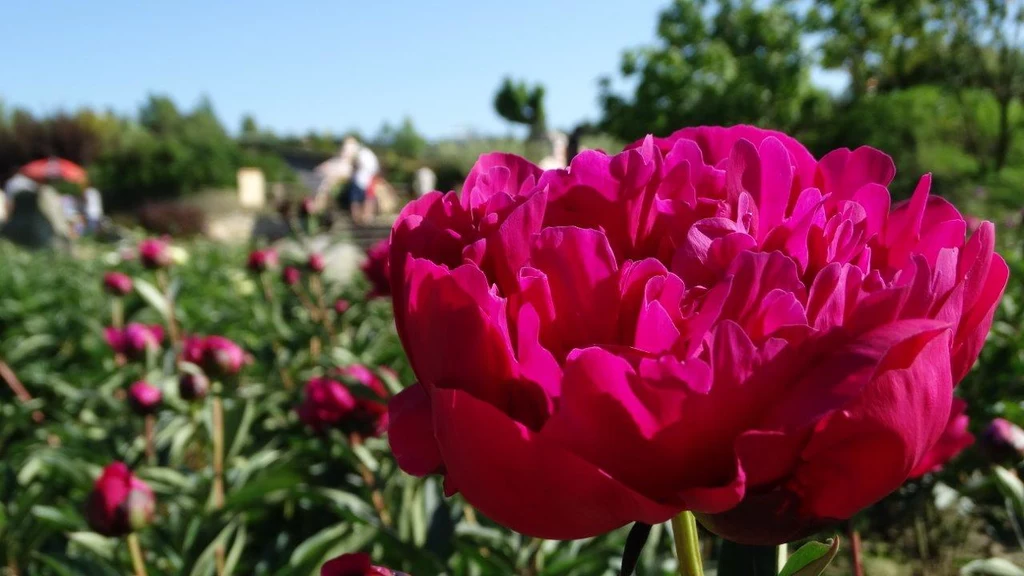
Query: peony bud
[[316, 263], [291, 275], [1003, 442], [155, 253], [262, 260], [193, 386], [377, 268], [119, 503], [144, 398], [135, 340], [341, 306], [117, 284]]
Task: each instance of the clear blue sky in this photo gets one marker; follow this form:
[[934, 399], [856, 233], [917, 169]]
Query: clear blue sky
[[300, 65]]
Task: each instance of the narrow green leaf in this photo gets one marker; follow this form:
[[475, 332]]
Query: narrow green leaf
[[991, 567], [811, 559], [152, 295]]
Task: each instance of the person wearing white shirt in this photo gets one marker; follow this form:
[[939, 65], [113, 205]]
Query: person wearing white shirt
[[93, 209], [366, 168]]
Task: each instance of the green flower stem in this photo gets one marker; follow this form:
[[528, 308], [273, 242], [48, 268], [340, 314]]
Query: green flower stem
[[117, 312], [218, 470], [164, 283], [684, 530], [218, 453], [138, 560]]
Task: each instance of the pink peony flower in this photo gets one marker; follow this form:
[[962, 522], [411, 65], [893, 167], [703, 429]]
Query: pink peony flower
[[135, 339], [309, 206], [117, 284], [327, 402], [1003, 441], [316, 263], [291, 275], [952, 442], [355, 565], [155, 253], [144, 398], [193, 386], [262, 260], [378, 269], [714, 321], [216, 355], [341, 306], [119, 503], [369, 416]]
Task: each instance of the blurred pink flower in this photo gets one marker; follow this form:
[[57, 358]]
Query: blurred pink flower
[[119, 503], [262, 260], [117, 284], [341, 306], [216, 355], [715, 321], [316, 263], [1003, 442], [327, 402], [377, 269], [135, 339], [193, 386], [144, 398], [369, 417], [291, 275], [155, 253]]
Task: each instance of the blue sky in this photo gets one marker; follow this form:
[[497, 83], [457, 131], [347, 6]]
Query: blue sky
[[303, 64]]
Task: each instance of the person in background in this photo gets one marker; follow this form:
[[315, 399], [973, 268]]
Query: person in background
[[365, 170], [92, 209]]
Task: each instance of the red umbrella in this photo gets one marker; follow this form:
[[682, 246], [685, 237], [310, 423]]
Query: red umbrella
[[54, 169]]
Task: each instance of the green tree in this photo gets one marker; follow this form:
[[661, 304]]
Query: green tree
[[249, 127], [727, 62], [520, 103], [160, 115], [985, 52], [405, 140]]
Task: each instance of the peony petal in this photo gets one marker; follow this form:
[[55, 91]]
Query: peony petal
[[899, 416], [582, 276], [411, 432], [494, 462]]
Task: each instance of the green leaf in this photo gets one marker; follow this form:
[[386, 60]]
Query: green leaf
[[99, 545], [28, 346], [1010, 486], [205, 563], [315, 546], [257, 490], [152, 295], [241, 432], [235, 554], [991, 567], [811, 559], [59, 518]]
